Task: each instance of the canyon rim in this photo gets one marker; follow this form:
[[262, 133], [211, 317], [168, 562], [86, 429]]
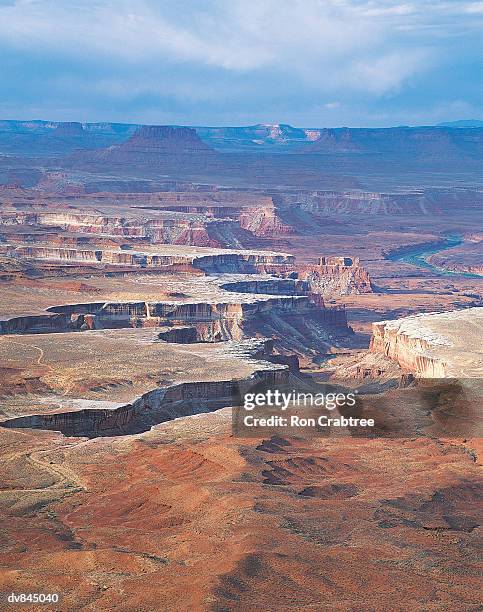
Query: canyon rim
[[171, 261]]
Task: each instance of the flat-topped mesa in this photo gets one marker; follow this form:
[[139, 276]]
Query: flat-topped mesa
[[210, 321], [334, 276], [418, 202], [154, 146], [56, 254], [246, 262], [87, 223], [434, 345], [69, 128], [165, 138]]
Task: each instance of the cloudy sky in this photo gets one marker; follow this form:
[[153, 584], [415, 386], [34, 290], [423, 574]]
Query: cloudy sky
[[236, 62]]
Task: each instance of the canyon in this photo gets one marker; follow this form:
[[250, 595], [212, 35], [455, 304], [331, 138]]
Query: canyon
[[150, 276]]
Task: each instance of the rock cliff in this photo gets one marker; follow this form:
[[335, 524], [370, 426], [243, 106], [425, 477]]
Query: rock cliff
[[433, 143], [335, 276], [422, 202], [210, 260], [435, 345]]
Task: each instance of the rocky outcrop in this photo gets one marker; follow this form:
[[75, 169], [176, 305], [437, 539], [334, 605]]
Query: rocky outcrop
[[179, 230], [191, 322], [180, 335], [220, 330], [48, 323], [245, 262], [409, 349], [264, 222], [57, 254], [214, 321], [435, 345], [335, 276]]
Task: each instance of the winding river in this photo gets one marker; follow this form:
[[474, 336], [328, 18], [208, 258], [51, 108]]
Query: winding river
[[418, 255]]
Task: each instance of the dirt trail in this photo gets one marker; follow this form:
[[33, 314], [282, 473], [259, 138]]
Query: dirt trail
[[37, 348]]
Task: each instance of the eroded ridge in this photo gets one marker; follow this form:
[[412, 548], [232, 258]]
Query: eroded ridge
[[435, 345], [96, 418]]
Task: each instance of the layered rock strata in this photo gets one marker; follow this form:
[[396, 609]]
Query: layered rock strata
[[424, 202], [214, 260], [264, 221], [334, 276], [224, 318], [153, 147], [435, 345], [175, 228]]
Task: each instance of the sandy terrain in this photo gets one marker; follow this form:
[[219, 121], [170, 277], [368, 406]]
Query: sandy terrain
[[187, 517]]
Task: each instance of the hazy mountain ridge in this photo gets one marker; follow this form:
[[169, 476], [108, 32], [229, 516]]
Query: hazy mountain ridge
[[52, 138], [255, 156]]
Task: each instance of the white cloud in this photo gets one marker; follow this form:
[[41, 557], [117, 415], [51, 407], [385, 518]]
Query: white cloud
[[224, 51], [312, 39], [474, 8]]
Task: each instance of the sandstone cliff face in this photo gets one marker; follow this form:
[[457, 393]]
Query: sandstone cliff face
[[214, 321], [335, 276], [181, 232], [435, 345], [411, 352], [247, 262], [58, 254]]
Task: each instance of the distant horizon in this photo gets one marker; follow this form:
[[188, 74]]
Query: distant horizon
[[455, 123]]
